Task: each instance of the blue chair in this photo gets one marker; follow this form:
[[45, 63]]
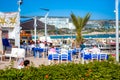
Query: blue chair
[[94, 56], [64, 57], [86, 56], [78, 50], [103, 56], [55, 57], [35, 50], [40, 50], [58, 50]]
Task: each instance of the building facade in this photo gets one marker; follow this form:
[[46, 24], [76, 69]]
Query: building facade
[[65, 22], [58, 22]]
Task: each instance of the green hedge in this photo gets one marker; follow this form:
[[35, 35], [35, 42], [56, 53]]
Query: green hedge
[[71, 71]]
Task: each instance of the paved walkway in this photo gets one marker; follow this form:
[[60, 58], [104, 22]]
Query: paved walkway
[[36, 62]]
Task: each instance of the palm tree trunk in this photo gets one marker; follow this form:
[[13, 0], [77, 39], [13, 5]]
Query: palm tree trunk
[[78, 38]]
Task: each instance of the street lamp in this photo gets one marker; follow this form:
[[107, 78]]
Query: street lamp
[[45, 22], [35, 25], [117, 30], [17, 29]]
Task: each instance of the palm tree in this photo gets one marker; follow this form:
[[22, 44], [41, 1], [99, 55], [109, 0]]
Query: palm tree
[[79, 24]]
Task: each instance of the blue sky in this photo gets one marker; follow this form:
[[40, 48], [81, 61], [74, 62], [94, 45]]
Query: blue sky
[[99, 9]]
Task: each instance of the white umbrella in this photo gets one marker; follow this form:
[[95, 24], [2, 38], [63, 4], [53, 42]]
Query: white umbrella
[[43, 39]]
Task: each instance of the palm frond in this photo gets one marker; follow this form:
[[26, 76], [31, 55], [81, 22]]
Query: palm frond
[[85, 19], [74, 20], [80, 22]]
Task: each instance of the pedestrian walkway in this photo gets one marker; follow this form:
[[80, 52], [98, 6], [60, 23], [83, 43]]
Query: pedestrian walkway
[[35, 61]]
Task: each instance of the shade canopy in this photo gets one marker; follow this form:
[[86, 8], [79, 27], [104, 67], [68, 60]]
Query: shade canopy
[[29, 25]]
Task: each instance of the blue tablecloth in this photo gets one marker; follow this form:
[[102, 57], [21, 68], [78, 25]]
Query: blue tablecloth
[[86, 56], [38, 49], [50, 57], [35, 50], [73, 52]]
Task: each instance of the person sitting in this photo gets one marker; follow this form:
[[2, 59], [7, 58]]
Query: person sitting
[[95, 49], [86, 50], [23, 64], [26, 64], [52, 50], [64, 51], [20, 63], [41, 44]]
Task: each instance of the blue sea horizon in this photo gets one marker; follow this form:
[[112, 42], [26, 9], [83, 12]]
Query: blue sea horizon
[[84, 36]]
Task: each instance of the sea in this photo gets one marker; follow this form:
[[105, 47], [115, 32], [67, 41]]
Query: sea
[[84, 36]]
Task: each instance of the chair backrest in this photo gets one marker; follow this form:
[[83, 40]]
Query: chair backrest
[[94, 56], [57, 48], [103, 56], [64, 56], [21, 53], [14, 52], [64, 51], [78, 49], [86, 55], [41, 50], [55, 56]]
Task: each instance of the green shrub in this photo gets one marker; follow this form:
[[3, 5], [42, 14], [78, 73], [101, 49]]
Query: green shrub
[[91, 71], [111, 58], [119, 57]]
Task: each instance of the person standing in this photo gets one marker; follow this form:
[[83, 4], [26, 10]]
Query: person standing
[[82, 46], [95, 49]]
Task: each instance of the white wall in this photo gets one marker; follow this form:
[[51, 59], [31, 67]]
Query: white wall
[[11, 34]]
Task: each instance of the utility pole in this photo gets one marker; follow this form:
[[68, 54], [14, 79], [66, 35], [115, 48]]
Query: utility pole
[[45, 21], [117, 30], [17, 29]]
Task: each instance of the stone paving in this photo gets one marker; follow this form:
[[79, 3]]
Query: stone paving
[[36, 62]]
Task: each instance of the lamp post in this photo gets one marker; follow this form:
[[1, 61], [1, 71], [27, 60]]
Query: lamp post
[[35, 25], [45, 22], [117, 31], [17, 34]]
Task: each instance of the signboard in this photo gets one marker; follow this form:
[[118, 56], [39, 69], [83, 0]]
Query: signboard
[[10, 19]]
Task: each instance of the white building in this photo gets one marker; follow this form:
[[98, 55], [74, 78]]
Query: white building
[[71, 26], [65, 22], [59, 22], [9, 22]]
